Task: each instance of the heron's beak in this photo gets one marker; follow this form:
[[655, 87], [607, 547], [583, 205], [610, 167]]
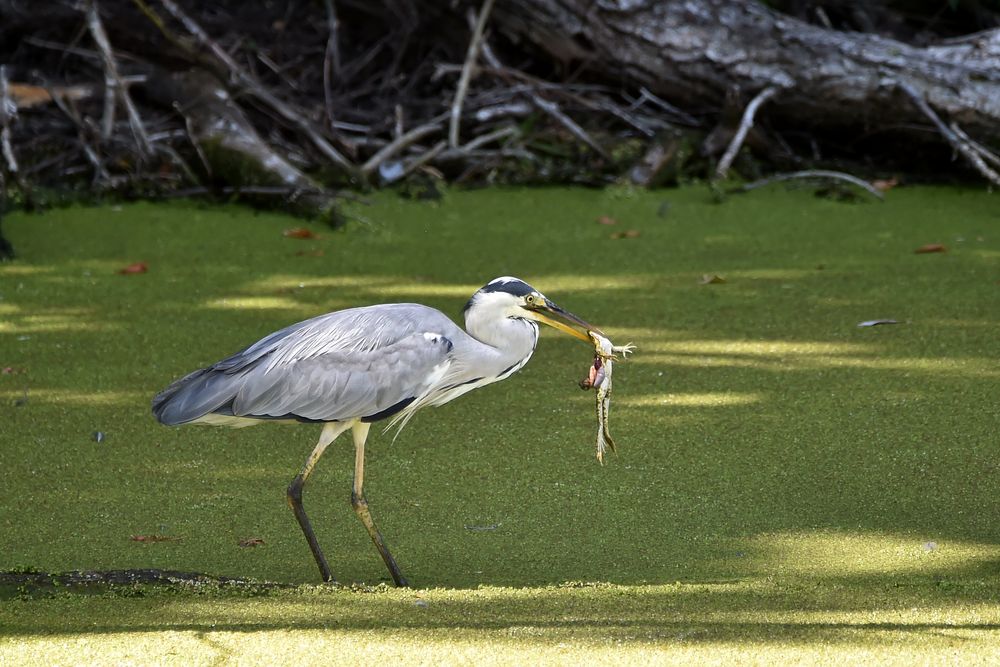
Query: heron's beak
[[540, 313]]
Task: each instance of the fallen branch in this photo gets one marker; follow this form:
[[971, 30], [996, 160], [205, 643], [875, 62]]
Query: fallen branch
[[967, 148], [983, 151], [551, 108], [253, 87], [463, 81], [404, 140], [741, 133], [677, 115], [331, 59], [811, 173], [490, 137], [101, 175], [8, 111], [114, 86], [420, 161], [228, 144]]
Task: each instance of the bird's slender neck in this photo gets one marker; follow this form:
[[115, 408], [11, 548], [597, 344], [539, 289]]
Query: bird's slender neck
[[512, 338]]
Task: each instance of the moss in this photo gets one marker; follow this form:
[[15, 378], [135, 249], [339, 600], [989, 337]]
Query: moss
[[788, 485]]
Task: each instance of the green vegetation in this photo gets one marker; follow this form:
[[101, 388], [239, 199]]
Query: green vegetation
[[788, 486]]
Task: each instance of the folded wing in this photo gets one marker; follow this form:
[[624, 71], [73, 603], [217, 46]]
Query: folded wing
[[366, 363]]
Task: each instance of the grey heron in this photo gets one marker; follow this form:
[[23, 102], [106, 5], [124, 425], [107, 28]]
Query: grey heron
[[350, 368]]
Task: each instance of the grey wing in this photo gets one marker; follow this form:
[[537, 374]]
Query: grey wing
[[334, 366], [367, 384]]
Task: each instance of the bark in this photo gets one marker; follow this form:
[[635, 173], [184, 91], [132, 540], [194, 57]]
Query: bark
[[692, 52]]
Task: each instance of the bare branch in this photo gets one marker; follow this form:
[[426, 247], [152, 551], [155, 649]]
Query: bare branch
[[741, 133], [8, 112], [420, 161], [114, 85], [470, 62], [101, 175], [331, 60], [812, 173], [678, 115], [411, 137], [550, 108], [983, 151], [490, 137], [965, 148], [253, 87]]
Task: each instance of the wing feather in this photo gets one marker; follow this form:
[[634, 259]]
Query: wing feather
[[347, 364], [337, 386]]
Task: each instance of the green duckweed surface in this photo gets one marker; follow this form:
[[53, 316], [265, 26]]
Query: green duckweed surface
[[789, 487]]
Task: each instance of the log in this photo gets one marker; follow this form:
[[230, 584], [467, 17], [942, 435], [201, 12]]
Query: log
[[691, 52], [232, 151]]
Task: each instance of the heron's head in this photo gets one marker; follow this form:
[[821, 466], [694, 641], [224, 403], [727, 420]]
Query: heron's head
[[513, 298]]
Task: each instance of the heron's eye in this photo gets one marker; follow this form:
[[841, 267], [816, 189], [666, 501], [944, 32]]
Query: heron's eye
[[529, 300]]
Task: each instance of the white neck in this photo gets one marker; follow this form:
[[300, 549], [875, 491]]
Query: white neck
[[512, 338]]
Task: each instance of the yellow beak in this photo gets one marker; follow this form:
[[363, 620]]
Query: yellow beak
[[540, 314]]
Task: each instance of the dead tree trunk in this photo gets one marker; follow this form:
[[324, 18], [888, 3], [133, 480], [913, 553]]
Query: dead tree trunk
[[692, 52]]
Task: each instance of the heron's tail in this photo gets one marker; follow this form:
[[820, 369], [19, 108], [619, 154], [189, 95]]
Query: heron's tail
[[195, 395]]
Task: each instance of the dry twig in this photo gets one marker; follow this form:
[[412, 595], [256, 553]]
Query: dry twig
[[114, 86], [470, 62], [550, 108], [331, 59], [101, 175], [741, 133], [8, 111], [983, 151], [253, 87], [404, 140], [969, 149], [811, 173]]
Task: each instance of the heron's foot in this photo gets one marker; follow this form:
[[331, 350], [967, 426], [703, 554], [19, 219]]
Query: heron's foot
[[294, 496], [360, 505], [324, 570]]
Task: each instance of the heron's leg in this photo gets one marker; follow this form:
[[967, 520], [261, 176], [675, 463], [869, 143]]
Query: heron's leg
[[361, 505], [330, 432]]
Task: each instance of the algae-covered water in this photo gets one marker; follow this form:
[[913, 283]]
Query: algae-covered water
[[803, 481]]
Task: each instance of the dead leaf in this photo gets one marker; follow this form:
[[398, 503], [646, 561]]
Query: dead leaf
[[26, 95], [885, 184], [711, 279], [607, 220], [875, 323], [299, 233], [627, 234], [930, 247], [154, 538], [310, 253], [135, 267], [11, 370], [251, 542]]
